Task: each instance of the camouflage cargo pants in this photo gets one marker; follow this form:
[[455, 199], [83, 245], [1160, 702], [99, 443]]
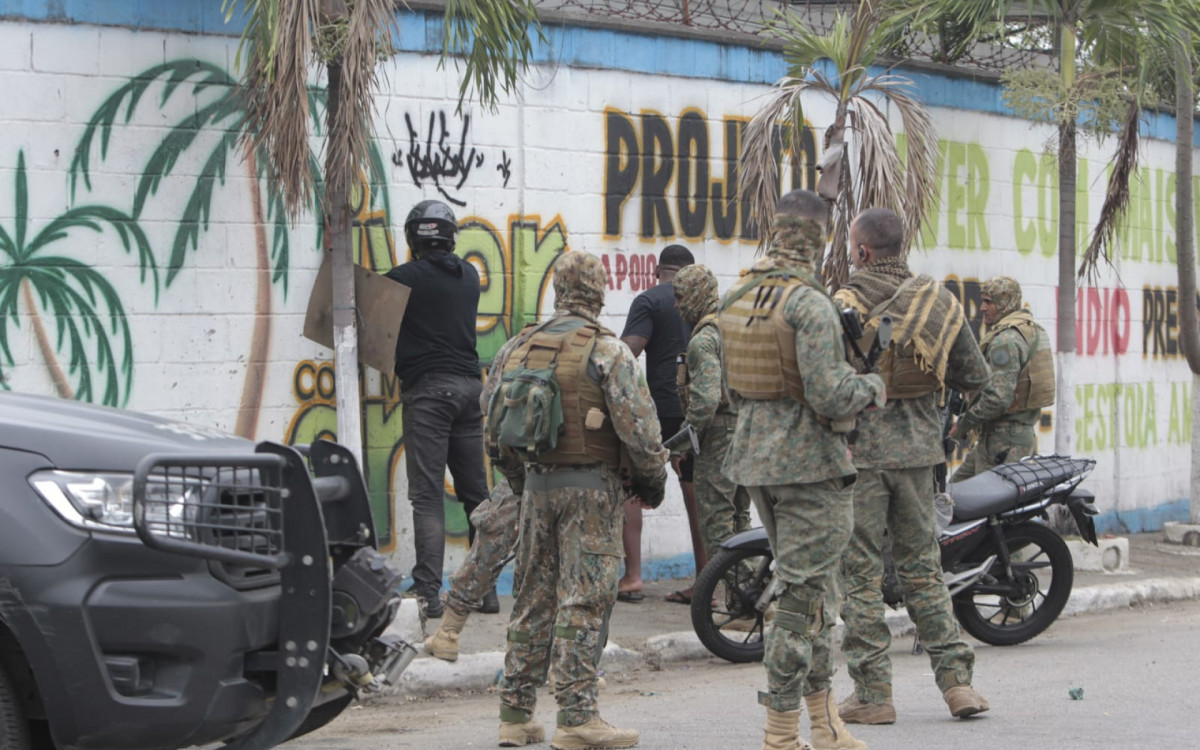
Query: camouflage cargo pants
[[496, 527], [724, 508], [568, 560], [809, 526], [998, 443], [900, 501]]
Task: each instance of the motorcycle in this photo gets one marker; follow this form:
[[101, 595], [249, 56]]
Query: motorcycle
[[1009, 574]]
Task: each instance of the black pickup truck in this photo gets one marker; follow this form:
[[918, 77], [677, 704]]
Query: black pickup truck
[[164, 586]]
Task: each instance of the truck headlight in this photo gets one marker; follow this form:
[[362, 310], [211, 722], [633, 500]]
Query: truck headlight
[[105, 501]]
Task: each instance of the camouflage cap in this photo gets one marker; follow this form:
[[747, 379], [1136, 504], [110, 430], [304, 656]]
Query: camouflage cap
[[579, 282], [696, 291], [1005, 293]]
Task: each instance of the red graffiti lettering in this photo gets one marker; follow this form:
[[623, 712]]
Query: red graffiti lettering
[[607, 270], [622, 269], [1102, 322]]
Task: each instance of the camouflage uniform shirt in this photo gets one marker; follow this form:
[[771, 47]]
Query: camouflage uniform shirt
[[907, 433], [781, 441], [1005, 353]]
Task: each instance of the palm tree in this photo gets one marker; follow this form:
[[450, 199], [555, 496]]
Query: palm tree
[[885, 178], [216, 107], [85, 306], [351, 37], [1091, 35]]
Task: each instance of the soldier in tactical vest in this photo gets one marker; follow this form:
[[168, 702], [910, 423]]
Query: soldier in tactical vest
[[1022, 382], [569, 552], [895, 451], [789, 380], [723, 507]]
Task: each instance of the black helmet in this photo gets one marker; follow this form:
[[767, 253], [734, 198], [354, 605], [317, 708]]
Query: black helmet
[[430, 226]]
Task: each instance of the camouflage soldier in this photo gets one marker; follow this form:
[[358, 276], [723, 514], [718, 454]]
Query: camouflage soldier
[[1022, 382], [496, 524], [895, 452], [569, 552], [789, 379], [724, 508]]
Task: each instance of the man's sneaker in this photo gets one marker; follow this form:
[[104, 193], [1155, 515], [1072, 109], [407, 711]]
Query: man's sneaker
[[433, 607], [964, 701], [854, 711], [513, 734], [491, 603], [596, 734]]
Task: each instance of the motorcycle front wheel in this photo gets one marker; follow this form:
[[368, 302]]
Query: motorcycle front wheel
[[723, 599], [1003, 610]]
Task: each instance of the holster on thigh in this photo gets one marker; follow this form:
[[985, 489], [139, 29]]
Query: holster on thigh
[[805, 616]]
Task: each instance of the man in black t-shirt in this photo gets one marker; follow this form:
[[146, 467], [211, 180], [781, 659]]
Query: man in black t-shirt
[[440, 383], [654, 327]]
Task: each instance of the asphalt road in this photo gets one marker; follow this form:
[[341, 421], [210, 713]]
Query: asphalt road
[[1137, 670]]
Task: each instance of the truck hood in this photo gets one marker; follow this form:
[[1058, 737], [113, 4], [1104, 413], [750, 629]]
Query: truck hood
[[83, 437]]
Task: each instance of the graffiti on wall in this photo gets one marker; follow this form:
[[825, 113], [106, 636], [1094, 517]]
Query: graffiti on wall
[[439, 158], [682, 189], [514, 265]]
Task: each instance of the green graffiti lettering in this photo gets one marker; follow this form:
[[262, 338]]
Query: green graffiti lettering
[[933, 213], [956, 200], [979, 184], [1025, 231], [1048, 205]]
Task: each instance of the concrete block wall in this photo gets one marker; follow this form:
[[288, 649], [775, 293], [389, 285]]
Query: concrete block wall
[[617, 154]]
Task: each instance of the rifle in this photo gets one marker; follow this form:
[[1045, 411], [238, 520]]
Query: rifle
[[683, 441], [954, 406], [852, 327]]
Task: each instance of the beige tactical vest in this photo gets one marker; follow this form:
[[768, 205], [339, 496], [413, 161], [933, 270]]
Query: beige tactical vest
[[760, 346], [683, 379], [1035, 382], [897, 366], [587, 432]]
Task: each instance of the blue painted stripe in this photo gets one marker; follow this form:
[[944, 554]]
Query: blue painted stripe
[[421, 32], [1143, 519]]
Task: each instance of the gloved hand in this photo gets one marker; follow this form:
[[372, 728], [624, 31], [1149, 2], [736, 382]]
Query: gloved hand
[[650, 490]]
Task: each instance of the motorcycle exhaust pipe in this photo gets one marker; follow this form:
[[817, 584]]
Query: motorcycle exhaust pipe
[[959, 581]]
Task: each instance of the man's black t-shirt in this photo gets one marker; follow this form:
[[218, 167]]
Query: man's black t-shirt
[[438, 331], [654, 317]]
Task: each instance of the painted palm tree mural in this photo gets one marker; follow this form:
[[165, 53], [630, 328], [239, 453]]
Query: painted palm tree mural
[[90, 326], [208, 130]]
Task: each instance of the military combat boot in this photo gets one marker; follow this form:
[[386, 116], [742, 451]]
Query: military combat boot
[[596, 734], [855, 711], [520, 734], [444, 643], [828, 731], [964, 701], [782, 731]]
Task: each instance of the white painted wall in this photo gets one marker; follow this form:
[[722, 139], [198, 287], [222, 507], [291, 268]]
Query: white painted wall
[[189, 348]]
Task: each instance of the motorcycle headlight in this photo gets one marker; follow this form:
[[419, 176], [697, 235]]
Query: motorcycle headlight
[[105, 501]]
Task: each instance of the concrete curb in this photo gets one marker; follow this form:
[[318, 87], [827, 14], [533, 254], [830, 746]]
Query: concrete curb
[[427, 676]]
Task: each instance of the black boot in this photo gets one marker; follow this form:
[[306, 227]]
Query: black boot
[[491, 603]]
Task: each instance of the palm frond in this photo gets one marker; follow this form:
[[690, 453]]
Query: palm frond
[[277, 50], [495, 37], [102, 123], [1116, 197], [199, 205], [75, 294], [94, 218], [350, 133]]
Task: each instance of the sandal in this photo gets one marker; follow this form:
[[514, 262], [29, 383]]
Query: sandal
[[679, 597], [632, 597]]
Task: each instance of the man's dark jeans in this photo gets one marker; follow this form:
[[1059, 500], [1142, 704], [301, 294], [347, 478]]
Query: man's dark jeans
[[443, 428]]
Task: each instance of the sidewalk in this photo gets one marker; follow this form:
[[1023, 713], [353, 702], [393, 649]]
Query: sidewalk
[[655, 631]]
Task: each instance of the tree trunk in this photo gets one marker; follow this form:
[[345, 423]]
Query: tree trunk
[[1064, 428], [345, 311], [62, 386], [1185, 247], [260, 338]]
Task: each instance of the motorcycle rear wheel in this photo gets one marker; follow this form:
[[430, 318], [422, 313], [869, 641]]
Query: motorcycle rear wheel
[[1043, 573], [734, 579]]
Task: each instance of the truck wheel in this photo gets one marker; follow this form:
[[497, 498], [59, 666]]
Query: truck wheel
[[14, 729]]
